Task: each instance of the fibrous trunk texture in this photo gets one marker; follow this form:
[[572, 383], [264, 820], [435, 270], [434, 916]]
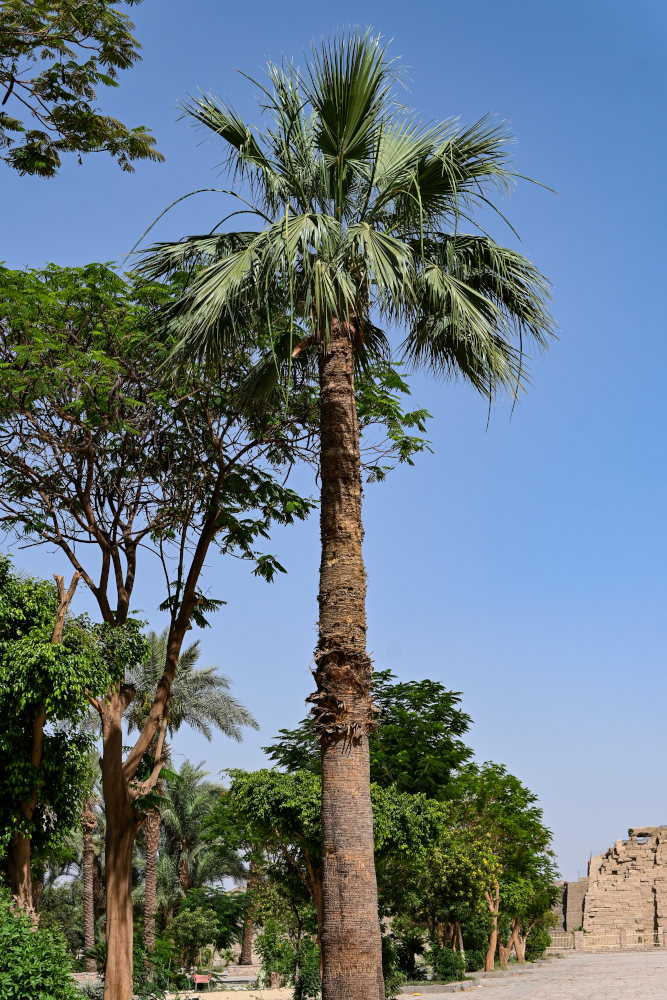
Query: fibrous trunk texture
[[88, 824], [351, 940], [152, 835], [121, 832]]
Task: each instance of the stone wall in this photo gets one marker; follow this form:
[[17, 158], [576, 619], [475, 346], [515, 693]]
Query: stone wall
[[573, 904], [626, 886]]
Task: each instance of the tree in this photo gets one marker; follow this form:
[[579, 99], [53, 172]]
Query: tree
[[53, 56], [49, 666], [494, 805], [415, 745], [187, 803], [199, 698], [106, 454], [362, 206]]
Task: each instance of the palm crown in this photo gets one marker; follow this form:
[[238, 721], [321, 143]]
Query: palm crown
[[361, 205]]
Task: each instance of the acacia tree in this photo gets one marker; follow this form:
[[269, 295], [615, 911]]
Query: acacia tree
[[53, 56], [108, 452], [105, 458], [360, 207]]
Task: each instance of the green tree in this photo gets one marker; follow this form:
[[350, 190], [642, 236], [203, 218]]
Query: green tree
[[49, 667], [53, 56], [199, 698], [495, 806], [416, 744], [362, 207], [108, 454], [187, 803]]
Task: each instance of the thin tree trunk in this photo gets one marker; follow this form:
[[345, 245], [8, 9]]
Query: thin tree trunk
[[245, 958], [88, 824], [121, 832], [152, 835], [493, 902], [351, 940]]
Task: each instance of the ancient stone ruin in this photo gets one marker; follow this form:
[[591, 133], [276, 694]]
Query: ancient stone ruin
[[625, 891]]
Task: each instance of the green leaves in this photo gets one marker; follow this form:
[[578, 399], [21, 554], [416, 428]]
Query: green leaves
[[53, 56]]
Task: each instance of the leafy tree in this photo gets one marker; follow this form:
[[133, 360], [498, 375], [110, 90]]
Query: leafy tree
[[53, 56], [493, 805], [102, 450], [200, 699], [361, 206], [111, 454], [415, 745], [49, 667], [192, 930]]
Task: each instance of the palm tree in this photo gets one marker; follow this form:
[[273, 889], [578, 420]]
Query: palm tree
[[362, 207], [187, 802], [200, 699]]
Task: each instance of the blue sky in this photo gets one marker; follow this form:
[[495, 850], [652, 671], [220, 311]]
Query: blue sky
[[523, 564]]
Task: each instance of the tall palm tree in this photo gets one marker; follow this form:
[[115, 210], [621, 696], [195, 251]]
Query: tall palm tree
[[361, 211], [200, 699]]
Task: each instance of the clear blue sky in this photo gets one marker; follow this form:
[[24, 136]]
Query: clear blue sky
[[523, 564]]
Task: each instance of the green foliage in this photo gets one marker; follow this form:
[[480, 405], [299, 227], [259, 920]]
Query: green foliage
[[475, 959], [192, 930], [34, 964], [54, 54], [538, 941], [229, 909], [277, 952], [448, 965], [307, 985], [36, 675], [416, 747], [363, 205], [85, 368], [393, 974], [61, 910]]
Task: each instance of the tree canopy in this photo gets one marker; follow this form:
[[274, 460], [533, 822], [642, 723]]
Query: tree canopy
[[54, 54]]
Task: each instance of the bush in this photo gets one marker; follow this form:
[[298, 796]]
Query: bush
[[394, 977], [538, 941], [307, 985], [475, 959], [191, 931], [34, 964], [448, 965], [277, 952]]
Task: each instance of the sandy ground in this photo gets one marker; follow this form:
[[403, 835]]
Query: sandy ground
[[282, 994]]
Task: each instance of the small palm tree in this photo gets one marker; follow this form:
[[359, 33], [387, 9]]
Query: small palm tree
[[188, 800], [200, 699], [361, 209]]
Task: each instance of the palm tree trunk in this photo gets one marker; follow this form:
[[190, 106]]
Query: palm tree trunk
[[152, 834], [88, 824], [351, 940]]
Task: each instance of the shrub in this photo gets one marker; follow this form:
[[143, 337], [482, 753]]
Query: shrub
[[475, 959], [34, 963], [448, 965], [538, 941], [394, 977], [277, 952]]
